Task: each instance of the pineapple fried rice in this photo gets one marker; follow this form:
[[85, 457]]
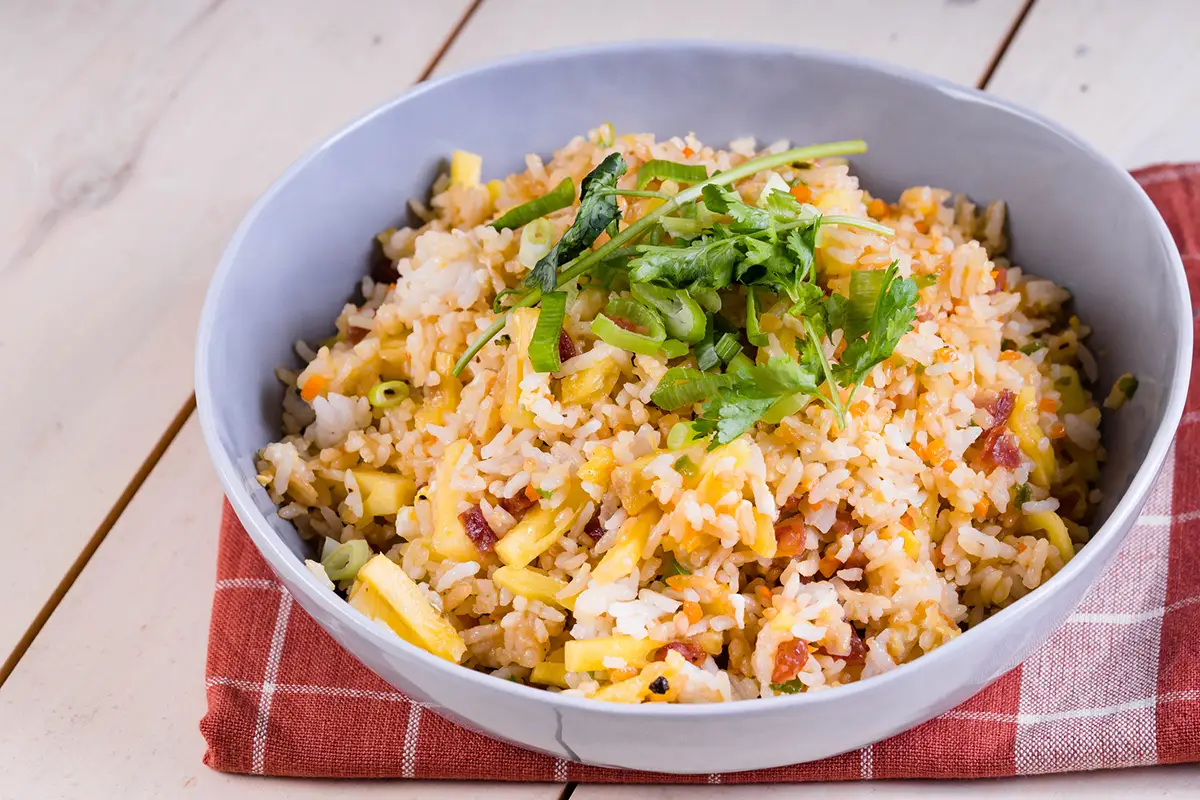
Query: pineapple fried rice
[[784, 437]]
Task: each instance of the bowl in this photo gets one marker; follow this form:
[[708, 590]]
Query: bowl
[[1076, 217]]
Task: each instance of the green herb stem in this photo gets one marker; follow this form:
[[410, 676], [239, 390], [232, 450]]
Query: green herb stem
[[834, 400]]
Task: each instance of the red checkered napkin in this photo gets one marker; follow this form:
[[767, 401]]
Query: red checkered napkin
[[1117, 686]]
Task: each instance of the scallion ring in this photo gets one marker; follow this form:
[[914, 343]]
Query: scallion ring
[[647, 336], [727, 347], [682, 316], [345, 560], [753, 333], [673, 348], [684, 386], [388, 394], [536, 240]]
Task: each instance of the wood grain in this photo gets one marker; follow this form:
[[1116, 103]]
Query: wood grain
[[1122, 74], [133, 136], [953, 39], [106, 701]]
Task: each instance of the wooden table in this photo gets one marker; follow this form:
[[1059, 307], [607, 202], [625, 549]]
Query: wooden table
[[137, 132]]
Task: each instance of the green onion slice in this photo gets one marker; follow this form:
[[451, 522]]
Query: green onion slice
[[684, 386], [543, 345], [706, 353], [708, 299], [560, 196], [739, 363], [673, 567], [727, 347], [682, 228], [785, 407], [345, 560], [683, 317], [673, 348], [924, 281], [632, 312], [536, 240], [388, 394], [670, 170], [753, 332]]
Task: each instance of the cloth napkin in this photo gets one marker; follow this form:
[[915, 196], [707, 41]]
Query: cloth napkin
[[1117, 686]]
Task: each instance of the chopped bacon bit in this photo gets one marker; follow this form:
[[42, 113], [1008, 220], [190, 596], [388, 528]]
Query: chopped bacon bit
[[858, 650], [790, 658], [687, 152], [355, 335], [802, 193], [843, 524], [593, 529], [789, 537], [566, 347], [999, 449], [856, 560], [1001, 408], [518, 504], [478, 530], [691, 652], [382, 268]]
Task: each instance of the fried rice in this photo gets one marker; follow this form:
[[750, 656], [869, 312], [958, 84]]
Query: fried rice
[[800, 556]]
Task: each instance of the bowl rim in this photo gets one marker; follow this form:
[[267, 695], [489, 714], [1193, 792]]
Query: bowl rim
[[284, 562]]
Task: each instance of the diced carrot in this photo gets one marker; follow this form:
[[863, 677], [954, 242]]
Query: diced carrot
[[981, 508], [935, 451], [623, 673], [313, 387], [764, 596], [1010, 355], [1048, 404], [1058, 431], [688, 152], [922, 226], [877, 208], [859, 408], [949, 465], [802, 193], [693, 611]]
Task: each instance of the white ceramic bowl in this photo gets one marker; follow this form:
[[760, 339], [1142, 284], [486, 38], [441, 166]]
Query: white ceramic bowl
[[1076, 217]]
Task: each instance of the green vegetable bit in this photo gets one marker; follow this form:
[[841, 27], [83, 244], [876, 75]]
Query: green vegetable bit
[[673, 567], [682, 316], [1021, 495], [673, 348], [1032, 347], [543, 345], [791, 687], [388, 394], [658, 169], [1128, 386], [344, 561], [557, 198], [639, 316], [754, 334]]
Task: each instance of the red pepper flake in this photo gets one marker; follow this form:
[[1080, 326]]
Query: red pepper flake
[[518, 504], [593, 529], [858, 650], [790, 658], [478, 530], [566, 347], [691, 652]]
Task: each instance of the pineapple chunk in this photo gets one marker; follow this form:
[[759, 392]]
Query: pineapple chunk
[[465, 168], [443, 398], [1024, 423], [531, 584], [549, 674], [1056, 531], [633, 485], [623, 557], [635, 689], [450, 540], [386, 592], [715, 487], [538, 530], [522, 322], [764, 544], [587, 655], [588, 385], [598, 469], [494, 188], [1070, 391], [383, 493]]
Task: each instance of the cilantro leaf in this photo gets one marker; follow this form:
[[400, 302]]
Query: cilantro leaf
[[597, 210], [891, 318], [707, 264], [737, 406]]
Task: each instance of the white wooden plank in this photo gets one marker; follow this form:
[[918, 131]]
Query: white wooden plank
[[1122, 74], [953, 39], [133, 136], [106, 701], [1165, 782]]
